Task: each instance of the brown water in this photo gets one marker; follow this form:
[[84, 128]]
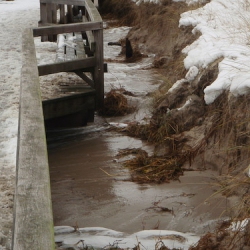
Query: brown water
[[91, 188]]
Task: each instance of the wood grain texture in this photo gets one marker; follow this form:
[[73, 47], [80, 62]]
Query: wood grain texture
[[33, 220]]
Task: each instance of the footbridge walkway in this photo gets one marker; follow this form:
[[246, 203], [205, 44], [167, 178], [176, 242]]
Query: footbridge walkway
[[68, 19]]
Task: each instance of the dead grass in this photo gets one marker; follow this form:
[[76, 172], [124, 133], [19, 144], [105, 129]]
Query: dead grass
[[158, 30], [124, 11], [146, 169], [224, 239], [116, 104]]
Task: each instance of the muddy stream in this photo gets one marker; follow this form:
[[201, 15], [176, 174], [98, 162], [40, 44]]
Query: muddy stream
[[91, 188]]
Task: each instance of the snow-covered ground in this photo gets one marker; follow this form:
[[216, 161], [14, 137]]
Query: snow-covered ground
[[225, 33]]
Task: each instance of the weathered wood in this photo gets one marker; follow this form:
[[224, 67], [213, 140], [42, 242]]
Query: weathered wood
[[62, 14], [78, 64], [67, 28], [69, 104], [85, 78], [43, 15], [90, 37], [69, 14], [33, 221], [92, 26], [54, 19], [99, 69], [49, 20], [89, 5], [92, 11]]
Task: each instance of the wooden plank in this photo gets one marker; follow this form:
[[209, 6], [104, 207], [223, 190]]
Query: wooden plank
[[33, 220], [67, 105], [99, 69], [78, 64], [92, 11], [67, 28]]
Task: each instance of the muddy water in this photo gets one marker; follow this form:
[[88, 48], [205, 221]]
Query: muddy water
[[90, 187]]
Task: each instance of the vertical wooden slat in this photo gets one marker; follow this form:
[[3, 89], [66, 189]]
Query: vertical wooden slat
[[62, 14], [99, 70], [49, 19], [43, 14], [69, 14], [54, 19]]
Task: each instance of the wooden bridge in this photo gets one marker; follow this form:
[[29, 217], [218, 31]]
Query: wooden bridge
[[33, 219], [80, 51]]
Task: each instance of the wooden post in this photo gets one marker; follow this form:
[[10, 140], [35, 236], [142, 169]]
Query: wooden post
[[99, 69]]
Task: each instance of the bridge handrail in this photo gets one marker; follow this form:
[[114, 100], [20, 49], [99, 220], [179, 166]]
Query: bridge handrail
[[33, 219]]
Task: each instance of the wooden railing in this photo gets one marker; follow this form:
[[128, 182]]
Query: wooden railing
[[33, 220], [91, 25]]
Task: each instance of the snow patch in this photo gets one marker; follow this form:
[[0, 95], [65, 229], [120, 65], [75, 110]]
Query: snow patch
[[192, 73], [221, 37], [99, 237]]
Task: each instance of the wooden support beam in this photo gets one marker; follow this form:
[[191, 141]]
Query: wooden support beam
[[85, 78], [67, 28], [68, 66], [98, 75]]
